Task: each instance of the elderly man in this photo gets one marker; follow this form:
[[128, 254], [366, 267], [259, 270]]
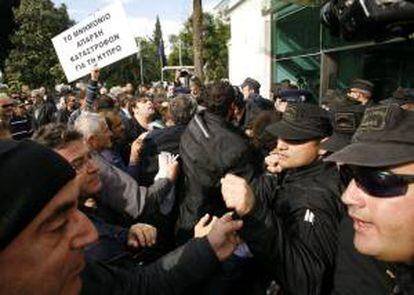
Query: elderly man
[[121, 192], [380, 197], [43, 235], [113, 239]]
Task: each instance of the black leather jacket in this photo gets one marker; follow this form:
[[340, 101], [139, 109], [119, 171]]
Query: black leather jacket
[[171, 274], [292, 230], [210, 147]]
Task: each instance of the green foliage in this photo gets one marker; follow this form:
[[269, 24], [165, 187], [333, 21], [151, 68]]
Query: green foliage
[[157, 35], [128, 69], [33, 60], [216, 34]]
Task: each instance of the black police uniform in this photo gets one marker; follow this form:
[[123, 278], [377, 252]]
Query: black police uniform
[[293, 230]]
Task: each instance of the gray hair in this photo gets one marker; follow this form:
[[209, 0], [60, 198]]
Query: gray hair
[[89, 124], [183, 108]]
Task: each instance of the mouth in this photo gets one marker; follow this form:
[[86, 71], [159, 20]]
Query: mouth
[[360, 225]]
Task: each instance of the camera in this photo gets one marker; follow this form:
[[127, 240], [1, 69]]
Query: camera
[[358, 20]]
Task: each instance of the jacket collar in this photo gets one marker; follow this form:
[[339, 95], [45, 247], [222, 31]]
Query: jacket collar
[[306, 171]]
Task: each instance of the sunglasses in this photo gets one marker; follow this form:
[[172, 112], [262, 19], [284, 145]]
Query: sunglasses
[[376, 182]]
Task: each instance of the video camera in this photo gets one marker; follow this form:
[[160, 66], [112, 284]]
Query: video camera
[[357, 20]]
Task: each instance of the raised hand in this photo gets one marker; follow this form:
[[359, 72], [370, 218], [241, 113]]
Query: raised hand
[[237, 194]]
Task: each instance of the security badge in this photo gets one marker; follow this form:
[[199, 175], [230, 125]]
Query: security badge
[[309, 216], [292, 113], [374, 119], [345, 122]]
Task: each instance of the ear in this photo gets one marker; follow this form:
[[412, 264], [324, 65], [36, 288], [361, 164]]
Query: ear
[[321, 151]]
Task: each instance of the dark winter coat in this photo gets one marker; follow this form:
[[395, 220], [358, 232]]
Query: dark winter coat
[[293, 228], [210, 147]]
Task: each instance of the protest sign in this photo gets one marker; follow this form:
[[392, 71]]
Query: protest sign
[[101, 39]]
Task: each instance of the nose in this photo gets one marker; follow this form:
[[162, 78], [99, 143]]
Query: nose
[[353, 196], [91, 166], [85, 232]]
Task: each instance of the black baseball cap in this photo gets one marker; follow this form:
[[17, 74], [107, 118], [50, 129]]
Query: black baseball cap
[[385, 137], [363, 85], [345, 120], [302, 122]]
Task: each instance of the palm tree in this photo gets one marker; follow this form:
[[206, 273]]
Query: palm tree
[[198, 38]]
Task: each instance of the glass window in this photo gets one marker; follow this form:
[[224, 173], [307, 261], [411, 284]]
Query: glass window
[[302, 71], [330, 41], [388, 66], [296, 31]]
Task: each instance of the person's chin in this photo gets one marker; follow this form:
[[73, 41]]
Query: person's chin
[[96, 187], [365, 245], [285, 163]]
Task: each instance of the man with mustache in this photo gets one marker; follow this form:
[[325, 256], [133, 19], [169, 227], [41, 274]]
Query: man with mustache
[[292, 230], [43, 235]]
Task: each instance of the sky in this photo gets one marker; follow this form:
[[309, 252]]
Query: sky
[[142, 13]]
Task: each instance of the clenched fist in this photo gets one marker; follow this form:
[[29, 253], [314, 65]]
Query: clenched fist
[[237, 194]]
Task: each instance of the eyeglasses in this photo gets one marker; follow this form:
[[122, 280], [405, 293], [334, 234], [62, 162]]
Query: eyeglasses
[[80, 163], [378, 183]]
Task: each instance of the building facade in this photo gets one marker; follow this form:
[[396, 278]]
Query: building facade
[[276, 40], [304, 51], [250, 42]]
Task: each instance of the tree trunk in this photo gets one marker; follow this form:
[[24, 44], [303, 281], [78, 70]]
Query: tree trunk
[[198, 38]]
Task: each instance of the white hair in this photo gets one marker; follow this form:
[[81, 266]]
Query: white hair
[[89, 124]]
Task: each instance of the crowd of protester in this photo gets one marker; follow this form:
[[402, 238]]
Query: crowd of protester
[[206, 189]]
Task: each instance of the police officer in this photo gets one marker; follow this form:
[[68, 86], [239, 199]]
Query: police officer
[[360, 91], [293, 230], [380, 198], [351, 266]]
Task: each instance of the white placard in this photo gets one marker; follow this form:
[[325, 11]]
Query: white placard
[[101, 39]]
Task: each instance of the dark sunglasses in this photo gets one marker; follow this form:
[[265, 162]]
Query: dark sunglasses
[[376, 182]]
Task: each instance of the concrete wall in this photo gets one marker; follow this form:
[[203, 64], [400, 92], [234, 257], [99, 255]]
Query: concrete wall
[[250, 43]]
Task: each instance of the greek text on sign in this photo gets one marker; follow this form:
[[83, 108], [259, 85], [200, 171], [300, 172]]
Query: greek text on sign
[[100, 39]]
